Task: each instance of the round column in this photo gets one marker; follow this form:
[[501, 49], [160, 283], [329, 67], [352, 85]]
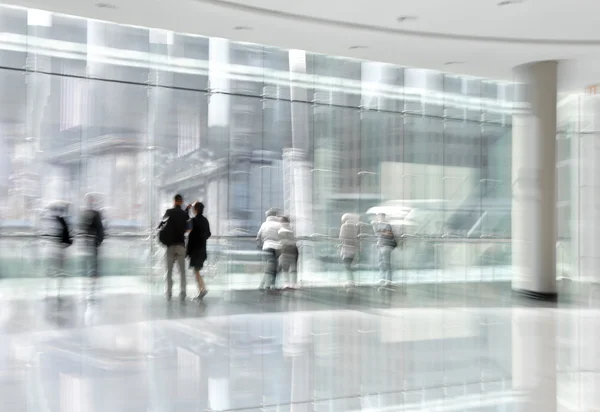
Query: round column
[[534, 180]]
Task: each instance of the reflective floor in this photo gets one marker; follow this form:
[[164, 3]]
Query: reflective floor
[[451, 347]]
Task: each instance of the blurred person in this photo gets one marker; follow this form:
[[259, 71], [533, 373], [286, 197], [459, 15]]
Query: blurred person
[[196, 247], [268, 241], [288, 257], [386, 242], [92, 232], [172, 234], [57, 233], [349, 244]]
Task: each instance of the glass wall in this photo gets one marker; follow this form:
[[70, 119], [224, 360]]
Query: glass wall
[[137, 115], [578, 161]]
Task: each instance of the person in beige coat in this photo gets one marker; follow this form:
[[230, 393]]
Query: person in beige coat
[[349, 243]]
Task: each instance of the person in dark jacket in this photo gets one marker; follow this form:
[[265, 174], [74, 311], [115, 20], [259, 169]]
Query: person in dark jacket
[[56, 232], [175, 220], [196, 247], [92, 232]]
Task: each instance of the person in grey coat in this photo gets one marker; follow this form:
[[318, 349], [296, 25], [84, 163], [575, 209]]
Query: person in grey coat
[[349, 243]]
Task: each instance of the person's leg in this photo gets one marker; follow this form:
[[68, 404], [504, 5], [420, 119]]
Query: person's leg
[[388, 264], [62, 259], [381, 264], [348, 266], [273, 267], [183, 278], [170, 259], [293, 273], [283, 266], [385, 255], [93, 262], [265, 280], [202, 291]]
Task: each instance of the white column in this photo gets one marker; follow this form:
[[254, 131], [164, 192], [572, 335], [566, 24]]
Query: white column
[[534, 179], [534, 358]]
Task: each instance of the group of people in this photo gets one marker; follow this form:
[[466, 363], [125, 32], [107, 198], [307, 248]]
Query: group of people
[[349, 242], [275, 238], [173, 227], [278, 242], [58, 231]]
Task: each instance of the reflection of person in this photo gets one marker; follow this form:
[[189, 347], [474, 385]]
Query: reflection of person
[[349, 243], [268, 238], [386, 242], [288, 258], [196, 247], [175, 220]]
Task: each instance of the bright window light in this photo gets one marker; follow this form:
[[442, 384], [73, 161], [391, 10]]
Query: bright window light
[[39, 18]]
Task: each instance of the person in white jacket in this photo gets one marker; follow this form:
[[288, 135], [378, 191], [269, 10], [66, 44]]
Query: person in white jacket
[[268, 240], [349, 243]]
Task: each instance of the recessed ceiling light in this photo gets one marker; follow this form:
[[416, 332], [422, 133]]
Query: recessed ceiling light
[[509, 2], [403, 19], [357, 47], [106, 6], [242, 28]]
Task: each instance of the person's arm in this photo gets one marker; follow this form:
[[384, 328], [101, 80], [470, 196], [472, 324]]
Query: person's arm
[[207, 233], [259, 235]]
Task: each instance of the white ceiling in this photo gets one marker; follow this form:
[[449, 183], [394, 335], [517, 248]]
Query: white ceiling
[[487, 39]]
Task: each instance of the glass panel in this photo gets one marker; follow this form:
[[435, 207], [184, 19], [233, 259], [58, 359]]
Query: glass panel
[[135, 115], [423, 92], [178, 60], [382, 87], [462, 97], [336, 80], [118, 52], [56, 43], [13, 43], [244, 67], [19, 185]]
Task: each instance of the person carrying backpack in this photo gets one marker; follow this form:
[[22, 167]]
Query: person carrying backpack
[[57, 234], [172, 234]]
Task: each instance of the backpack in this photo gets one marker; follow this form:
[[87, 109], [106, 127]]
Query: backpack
[[65, 236], [165, 234]]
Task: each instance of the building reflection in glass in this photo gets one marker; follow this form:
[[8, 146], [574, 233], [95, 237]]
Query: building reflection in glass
[[139, 114]]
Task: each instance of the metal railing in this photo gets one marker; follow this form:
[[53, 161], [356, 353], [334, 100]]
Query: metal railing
[[126, 254]]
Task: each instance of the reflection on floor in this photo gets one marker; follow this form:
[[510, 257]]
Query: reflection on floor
[[450, 347]]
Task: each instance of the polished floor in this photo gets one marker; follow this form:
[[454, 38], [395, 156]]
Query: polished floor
[[451, 347]]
